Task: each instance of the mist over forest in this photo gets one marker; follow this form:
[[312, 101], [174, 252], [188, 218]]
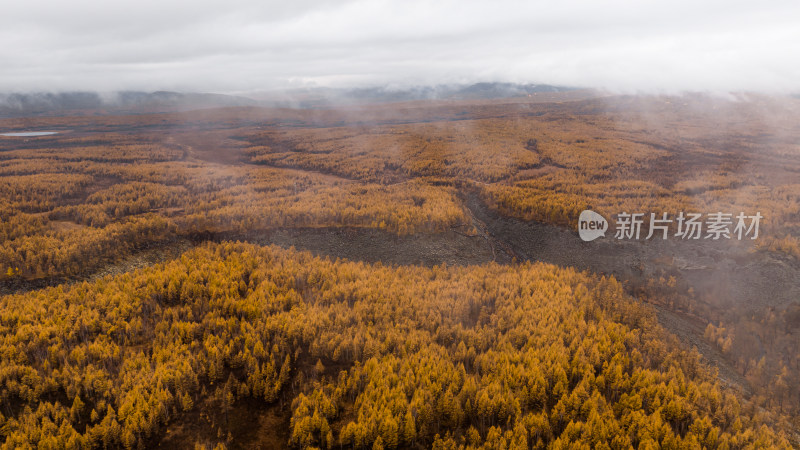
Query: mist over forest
[[399, 225]]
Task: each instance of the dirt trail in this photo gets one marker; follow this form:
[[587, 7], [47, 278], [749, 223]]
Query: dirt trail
[[690, 331], [359, 244]]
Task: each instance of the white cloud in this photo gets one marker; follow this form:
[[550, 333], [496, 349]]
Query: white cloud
[[238, 45]]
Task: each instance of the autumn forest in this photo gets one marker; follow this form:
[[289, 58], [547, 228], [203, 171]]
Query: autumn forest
[[400, 275]]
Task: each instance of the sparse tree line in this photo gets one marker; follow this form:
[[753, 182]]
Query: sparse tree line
[[66, 211]]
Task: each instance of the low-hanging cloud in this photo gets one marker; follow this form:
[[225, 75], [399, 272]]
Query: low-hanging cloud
[[249, 45]]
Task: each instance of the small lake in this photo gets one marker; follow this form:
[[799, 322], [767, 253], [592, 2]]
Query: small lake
[[29, 133]]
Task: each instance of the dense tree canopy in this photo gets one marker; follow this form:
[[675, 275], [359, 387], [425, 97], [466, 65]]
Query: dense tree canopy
[[371, 356]]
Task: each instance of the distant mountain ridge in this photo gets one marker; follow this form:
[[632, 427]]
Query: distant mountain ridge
[[322, 97], [48, 103], [61, 103]]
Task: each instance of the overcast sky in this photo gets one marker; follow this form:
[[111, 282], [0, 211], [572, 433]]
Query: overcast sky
[[249, 45]]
